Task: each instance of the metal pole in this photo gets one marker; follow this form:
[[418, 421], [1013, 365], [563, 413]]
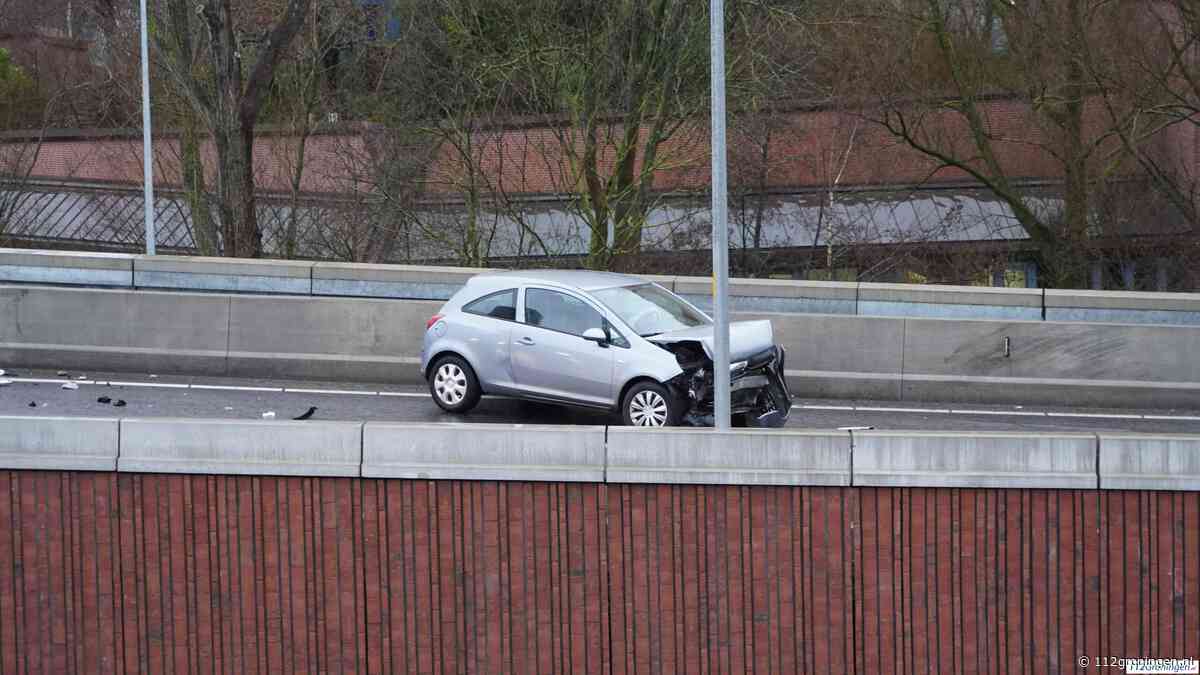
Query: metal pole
[[720, 236], [147, 158]]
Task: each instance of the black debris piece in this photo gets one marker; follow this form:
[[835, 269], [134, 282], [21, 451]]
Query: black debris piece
[[307, 414], [104, 399], [33, 404], [119, 403]]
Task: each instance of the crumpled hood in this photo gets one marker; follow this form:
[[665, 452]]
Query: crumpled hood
[[746, 338]]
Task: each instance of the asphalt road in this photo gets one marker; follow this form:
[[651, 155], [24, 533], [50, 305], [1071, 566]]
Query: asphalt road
[[148, 395]]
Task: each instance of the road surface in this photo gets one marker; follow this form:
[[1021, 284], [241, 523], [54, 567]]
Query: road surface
[[150, 395]]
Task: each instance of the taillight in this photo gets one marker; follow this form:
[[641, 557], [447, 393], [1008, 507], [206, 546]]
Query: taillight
[[432, 320]]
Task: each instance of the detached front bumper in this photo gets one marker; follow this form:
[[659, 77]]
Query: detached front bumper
[[759, 394]]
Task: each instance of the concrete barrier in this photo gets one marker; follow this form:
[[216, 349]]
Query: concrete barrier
[[597, 454], [1123, 307], [841, 356], [57, 267], [223, 274], [113, 329], [949, 302], [737, 457], [774, 295], [58, 443], [484, 452], [270, 448], [327, 338], [746, 295], [986, 460], [1042, 362], [389, 281], [1149, 462]]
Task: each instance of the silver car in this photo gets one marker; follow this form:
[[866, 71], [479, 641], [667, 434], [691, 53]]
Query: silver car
[[600, 340]]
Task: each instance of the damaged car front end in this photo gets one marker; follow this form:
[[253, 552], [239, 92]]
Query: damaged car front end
[[759, 395]]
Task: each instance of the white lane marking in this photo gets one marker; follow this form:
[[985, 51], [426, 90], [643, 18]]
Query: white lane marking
[[900, 410], [412, 394], [1018, 413], [40, 380], [825, 407], [156, 385], [1095, 414], [342, 392], [1189, 418], [230, 387]]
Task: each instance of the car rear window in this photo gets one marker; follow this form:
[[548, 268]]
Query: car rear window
[[499, 305]]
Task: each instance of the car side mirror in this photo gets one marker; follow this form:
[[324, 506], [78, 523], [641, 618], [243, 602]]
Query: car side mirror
[[596, 335]]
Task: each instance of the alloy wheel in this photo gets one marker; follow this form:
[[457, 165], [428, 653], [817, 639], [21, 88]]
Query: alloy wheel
[[648, 409]]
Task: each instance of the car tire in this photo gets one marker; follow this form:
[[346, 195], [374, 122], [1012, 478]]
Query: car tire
[[453, 384], [649, 404]]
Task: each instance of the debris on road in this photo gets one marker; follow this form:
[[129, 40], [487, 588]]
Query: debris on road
[[104, 399], [81, 377], [229, 407], [269, 415], [855, 428], [70, 385], [308, 414], [33, 404], [154, 377], [63, 373], [119, 403]]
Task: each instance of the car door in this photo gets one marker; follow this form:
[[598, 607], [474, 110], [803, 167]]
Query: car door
[[482, 331], [551, 358]]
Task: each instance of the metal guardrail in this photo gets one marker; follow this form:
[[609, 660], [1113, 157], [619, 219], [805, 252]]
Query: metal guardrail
[[603, 454], [116, 270]]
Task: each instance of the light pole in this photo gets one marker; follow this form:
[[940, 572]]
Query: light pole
[[147, 162], [720, 235]]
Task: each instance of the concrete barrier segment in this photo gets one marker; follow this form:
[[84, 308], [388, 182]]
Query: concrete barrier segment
[[245, 447], [1149, 462], [738, 457], [974, 459], [58, 443], [484, 452]]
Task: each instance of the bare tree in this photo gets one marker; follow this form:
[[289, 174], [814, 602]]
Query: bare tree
[[208, 63]]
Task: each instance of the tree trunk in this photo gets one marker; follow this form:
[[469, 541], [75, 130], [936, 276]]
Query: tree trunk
[[235, 188], [204, 230]]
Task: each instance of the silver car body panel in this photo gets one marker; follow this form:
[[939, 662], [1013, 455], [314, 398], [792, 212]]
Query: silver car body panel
[[746, 338], [560, 366]]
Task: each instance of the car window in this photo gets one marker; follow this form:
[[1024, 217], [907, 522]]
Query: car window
[[501, 305], [560, 312], [649, 310]]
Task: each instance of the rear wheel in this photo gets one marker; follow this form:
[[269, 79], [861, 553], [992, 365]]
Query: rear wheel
[[649, 404], [453, 385]]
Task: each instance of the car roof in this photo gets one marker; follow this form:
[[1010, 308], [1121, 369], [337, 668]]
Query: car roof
[[586, 280]]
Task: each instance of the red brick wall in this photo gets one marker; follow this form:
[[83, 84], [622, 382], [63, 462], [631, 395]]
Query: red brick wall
[[120, 573]]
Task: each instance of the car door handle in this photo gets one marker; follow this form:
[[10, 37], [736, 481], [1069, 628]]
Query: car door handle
[[526, 341]]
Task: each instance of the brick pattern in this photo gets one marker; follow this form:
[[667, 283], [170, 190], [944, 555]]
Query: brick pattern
[[101, 572], [818, 148]]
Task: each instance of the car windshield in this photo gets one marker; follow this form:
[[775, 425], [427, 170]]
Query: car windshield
[[650, 310]]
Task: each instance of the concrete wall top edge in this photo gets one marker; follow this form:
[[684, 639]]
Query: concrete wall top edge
[[479, 426], [79, 260], [767, 288], [290, 269], [771, 288], [1022, 435], [1132, 300], [393, 273], [951, 295]]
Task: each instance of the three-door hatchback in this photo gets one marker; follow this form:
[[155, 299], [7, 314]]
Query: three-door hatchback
[[599, 340]]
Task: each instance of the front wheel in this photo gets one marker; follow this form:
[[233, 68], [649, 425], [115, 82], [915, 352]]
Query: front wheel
[[454, 385], [649, 404]]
